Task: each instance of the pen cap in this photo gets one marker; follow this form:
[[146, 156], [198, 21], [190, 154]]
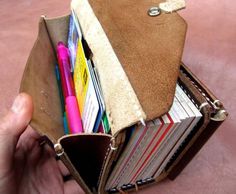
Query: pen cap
[[62, 50], [64, 67]]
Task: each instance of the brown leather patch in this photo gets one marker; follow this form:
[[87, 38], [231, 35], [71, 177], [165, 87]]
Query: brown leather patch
[[149, 49]]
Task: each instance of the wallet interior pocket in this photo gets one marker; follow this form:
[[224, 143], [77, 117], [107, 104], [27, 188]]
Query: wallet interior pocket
[[87, 153]]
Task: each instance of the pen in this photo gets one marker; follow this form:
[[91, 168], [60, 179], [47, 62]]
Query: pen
[[71, 104], [65, 122], [59, 87]]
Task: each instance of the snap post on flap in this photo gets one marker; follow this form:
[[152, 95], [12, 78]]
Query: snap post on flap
[[154, 11]]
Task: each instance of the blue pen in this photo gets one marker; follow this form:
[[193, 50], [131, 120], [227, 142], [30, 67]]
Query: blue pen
[[65, 122]]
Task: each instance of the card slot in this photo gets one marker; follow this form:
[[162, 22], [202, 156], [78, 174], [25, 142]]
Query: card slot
[[87, 153]]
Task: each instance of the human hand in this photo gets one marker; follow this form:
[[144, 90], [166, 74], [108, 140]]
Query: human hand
[[25, 166]]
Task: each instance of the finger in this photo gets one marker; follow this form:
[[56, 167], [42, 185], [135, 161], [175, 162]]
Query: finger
[[27, 145], [27, 139], [63, 169], [12, 126], [72, 187]]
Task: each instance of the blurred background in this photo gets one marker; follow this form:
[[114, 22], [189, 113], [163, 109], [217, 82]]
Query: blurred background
[[210, 52]]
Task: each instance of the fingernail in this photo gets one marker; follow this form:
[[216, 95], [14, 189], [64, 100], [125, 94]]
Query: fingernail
[[18, 104]]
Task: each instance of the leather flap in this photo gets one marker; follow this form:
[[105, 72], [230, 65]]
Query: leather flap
[[148, 49], [40, 82]]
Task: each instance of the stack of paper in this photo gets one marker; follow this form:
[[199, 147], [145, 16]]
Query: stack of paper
[[192, 111], [150, 147]]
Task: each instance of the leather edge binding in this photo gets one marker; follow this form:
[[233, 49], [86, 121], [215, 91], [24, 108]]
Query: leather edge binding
[[116, 142], [219, 114]]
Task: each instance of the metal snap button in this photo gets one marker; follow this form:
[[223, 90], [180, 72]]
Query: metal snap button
[[154, 11]]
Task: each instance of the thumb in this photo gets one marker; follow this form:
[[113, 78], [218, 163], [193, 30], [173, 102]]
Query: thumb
[[12, 126]]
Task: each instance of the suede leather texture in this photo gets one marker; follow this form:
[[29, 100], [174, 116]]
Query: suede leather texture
[[39, 80], [149, 49]]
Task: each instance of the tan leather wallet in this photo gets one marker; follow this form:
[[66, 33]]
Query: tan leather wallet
[[138, 59]]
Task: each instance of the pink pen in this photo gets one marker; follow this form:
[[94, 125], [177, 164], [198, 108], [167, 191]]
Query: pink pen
[[71, 104]]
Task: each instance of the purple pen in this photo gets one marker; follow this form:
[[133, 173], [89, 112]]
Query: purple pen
[[71, 104]]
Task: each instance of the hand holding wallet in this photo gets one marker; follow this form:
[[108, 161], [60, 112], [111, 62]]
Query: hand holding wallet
[[138, 60]]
